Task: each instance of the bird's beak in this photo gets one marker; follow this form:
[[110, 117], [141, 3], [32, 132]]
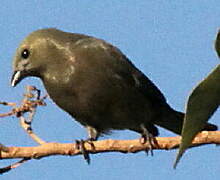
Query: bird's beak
[[16, 78]]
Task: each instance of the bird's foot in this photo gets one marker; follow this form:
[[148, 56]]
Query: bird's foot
[[150, 139], [146, 136], [3, 148], [80, 144]]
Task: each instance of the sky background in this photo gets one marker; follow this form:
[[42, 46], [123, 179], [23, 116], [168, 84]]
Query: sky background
[[172, 42]]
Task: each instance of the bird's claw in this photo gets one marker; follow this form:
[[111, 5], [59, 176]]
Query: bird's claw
[[3, 148], [80, 144], [147, 137], [150, 139]]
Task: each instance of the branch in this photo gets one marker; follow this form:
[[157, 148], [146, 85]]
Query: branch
[[123, 146], [32, 100]]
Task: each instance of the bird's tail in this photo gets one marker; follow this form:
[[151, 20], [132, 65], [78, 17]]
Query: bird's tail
[[173, 121]]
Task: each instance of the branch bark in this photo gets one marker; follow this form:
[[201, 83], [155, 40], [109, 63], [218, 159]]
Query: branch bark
[[123, 146]]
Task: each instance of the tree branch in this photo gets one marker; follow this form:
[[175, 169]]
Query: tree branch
[[123, 146], [29, 104]]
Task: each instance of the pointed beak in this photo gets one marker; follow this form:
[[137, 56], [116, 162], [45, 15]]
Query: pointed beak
[[16, 78]]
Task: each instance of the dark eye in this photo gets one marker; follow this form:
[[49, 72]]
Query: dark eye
[[25, 54]]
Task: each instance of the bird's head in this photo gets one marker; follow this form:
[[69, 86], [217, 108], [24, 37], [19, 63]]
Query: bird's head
[[35, 54]]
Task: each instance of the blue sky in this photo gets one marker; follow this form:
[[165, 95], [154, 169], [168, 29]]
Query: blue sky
[[170, 41]]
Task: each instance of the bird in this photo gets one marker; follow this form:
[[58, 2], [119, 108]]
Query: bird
[[95, 83], [201, 105]]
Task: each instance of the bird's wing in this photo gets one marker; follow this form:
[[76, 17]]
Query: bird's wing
[[121, 66], [131, 75], [202, 103]]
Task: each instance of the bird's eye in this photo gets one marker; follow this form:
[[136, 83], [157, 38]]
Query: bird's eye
[[25, 54]]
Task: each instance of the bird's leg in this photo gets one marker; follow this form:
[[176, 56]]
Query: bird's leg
[[93, 135], [80, 145], [146, 136]]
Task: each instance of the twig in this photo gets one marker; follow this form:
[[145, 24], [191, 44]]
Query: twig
[[12, 166], [7, 103], [26, 123], [30, 132], [29, 104]]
